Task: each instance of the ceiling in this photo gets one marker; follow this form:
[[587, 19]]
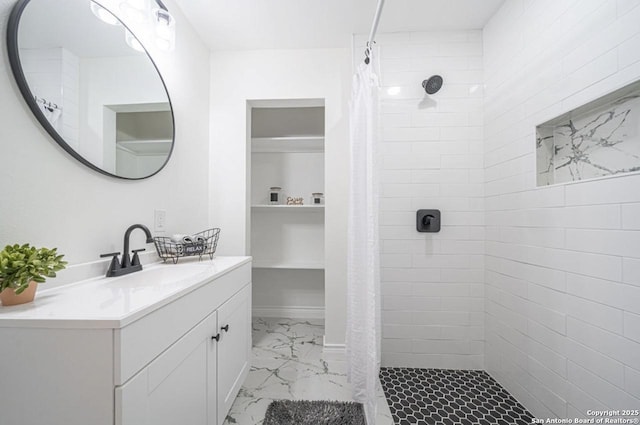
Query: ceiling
[[297, 24]]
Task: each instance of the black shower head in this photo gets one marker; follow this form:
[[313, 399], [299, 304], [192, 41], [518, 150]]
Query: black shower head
[[433, 84]]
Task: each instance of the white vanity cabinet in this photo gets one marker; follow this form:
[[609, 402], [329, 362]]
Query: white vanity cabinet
[[196, 380], [177, 387], [177, 355]]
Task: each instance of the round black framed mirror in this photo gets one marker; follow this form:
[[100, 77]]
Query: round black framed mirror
[[92, 86]]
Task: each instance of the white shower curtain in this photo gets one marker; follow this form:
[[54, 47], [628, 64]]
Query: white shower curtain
[[363, 265]]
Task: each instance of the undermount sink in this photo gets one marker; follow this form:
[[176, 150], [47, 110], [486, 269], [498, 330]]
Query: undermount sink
[[158, 275]]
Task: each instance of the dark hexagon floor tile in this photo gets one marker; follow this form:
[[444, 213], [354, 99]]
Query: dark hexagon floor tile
[[442, 396]]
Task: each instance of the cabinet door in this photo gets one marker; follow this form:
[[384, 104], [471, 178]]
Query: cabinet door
[[234, 348], [178, 387]]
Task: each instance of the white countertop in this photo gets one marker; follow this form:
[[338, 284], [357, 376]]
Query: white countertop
[[116, 301]]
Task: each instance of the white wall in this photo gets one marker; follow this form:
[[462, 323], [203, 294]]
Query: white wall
[[288, 292], [432, 283], [70, 97], [52, 74], [112, 81], [237, 77], [43, 70], [563, 262], [50, 199]]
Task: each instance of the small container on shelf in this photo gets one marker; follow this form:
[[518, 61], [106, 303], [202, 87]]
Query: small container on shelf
[[295, 201], [275, 195], [317, 198]]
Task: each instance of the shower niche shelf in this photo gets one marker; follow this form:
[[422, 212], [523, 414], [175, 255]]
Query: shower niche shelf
[[287, 145], [598, 139]]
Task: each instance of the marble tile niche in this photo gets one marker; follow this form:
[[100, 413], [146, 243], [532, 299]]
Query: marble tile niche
[[598, 139]]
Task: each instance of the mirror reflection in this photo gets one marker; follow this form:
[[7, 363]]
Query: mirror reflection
[[98, 90]]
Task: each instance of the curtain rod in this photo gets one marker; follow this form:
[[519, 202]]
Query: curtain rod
[[374, 28]]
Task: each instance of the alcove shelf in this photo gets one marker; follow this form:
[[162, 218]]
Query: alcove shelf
[[292, 266], [287, 208], [288, 144]]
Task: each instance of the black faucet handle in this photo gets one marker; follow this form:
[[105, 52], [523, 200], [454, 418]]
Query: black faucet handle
[[135, 261], [115, 264]]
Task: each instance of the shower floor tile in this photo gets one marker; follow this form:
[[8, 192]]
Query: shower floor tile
[[441, 396], [288, 363]]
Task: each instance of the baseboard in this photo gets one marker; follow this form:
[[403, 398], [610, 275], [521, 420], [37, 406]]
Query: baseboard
[[333, 348], [334, 352], [290, 312]]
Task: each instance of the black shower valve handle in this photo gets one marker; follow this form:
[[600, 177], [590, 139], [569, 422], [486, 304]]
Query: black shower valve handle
[[426, 220]]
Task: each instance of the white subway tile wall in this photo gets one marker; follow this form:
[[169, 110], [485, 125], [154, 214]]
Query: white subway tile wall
[[71, 98], [562, 316], [432, 283], [53, 74]]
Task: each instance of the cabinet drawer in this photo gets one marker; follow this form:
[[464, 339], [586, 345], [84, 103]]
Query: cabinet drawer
[[139, 343]]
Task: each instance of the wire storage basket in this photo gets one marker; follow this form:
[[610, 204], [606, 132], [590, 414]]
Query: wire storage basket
[[198, 244]]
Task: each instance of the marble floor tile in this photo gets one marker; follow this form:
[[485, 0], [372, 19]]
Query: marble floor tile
[[288, 363]]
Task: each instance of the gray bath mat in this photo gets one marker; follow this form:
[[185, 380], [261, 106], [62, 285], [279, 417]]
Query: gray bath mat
[[303, 412]]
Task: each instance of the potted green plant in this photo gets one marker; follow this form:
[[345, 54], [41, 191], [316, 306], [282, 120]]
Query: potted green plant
[[22, 267]]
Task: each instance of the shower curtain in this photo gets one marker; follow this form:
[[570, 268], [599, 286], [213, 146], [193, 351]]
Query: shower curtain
[[363, 265]]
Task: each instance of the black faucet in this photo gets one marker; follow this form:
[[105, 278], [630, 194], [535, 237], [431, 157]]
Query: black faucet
[[128, 265]]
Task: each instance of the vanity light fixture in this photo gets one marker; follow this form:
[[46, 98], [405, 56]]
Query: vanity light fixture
[[132, 41], [103, 14], [164, 27], [140, 12], [135, 10]]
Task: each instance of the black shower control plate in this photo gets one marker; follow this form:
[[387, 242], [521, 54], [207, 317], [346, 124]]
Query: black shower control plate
[[428, 221]]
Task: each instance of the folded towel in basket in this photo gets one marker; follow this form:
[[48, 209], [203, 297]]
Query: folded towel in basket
[[182, 239]]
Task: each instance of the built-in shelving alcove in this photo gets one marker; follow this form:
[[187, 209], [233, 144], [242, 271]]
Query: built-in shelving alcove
[[287, 241]]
